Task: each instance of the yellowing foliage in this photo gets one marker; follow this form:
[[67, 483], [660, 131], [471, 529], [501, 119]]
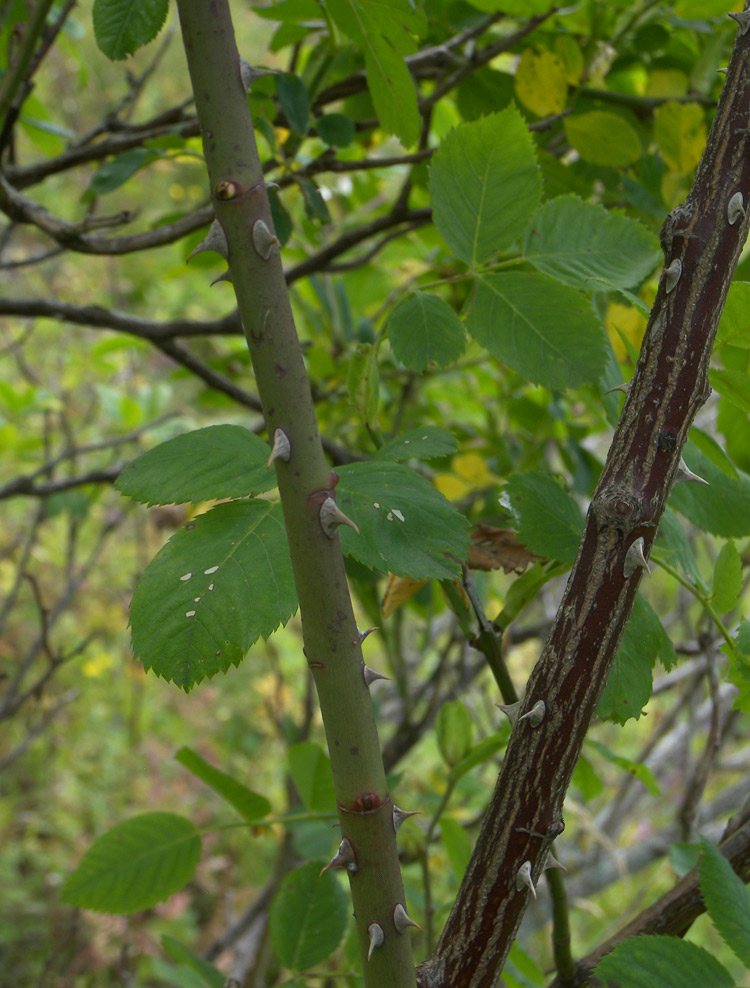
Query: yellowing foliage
[[542, 82]]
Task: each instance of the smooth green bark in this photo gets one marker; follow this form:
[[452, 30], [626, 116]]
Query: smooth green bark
[[331, 638]]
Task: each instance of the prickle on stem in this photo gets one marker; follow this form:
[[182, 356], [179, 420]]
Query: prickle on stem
[[672, 274], [735, 208], [742, 18], [214, 240], [343, 858], [535, 716], [371, 676], [400, 815], [524, 879], [376, 936], [402, 921], [281, 449], [263, 240], [331, 516], [635, 559], [685, 475]]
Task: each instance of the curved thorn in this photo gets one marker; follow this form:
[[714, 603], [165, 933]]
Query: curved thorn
[[524, 879], [401, 919], [672, 274], [214, 240], [371, 676], [551, 863], [535, 716], [511, 711], [624, 387], [282, 448], [361, 635], [376, 936], [343, 858], [685, 475], [735, 208], [742, 18], [400, 815], [331, 516], [635, 559]]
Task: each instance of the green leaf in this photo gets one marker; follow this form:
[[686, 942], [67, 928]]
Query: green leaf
[[214, 589], [742, 642], [406, 526], [727, 584], [453, 728], [309, 915], [629, 684], [485, 185], [457, 844], [363, 382], [479, 754], [118, 170], [428, 443], [680, 133], [135, 865], [248, 803], [211, 975], [219, 461], [713, 451], [295, 101], [122, 26], [550, 521], [662, 962], [733, 385], [727, 900], [545, 331], [579, 242], [637, 769], [335, 129], [722, 508], [734, 325], [520, 8], [684, 857], [586, 779], [423, 329], [385, 30], [310, 769], [603, 138]]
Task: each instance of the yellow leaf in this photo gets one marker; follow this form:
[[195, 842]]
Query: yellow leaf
[[472, 467], [667, 82], [630, 323], [398, 590], [541, 82], [680, 132], [451, 486]]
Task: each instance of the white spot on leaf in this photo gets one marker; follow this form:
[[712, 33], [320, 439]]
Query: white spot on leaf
[[185, 577], [398, 514], [189, 613], [210, 586], [210, 570], [375, 504]]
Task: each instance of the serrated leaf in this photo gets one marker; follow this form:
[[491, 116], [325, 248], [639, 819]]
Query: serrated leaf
[[580, 242], [722, 508], [406, 526], [629, 683], [603, 138], [727, 900], [219, 461], [310, 769], [211, 975], [122, 26], [135, 865], [545, 331], [214, 589], [457, 844], [662, 962], [727, 584], [250, 804], [295, 101], [424, 330], [485, 185], [428, 443], [309, 915], [550, 521], [385, 30], [453, 728]]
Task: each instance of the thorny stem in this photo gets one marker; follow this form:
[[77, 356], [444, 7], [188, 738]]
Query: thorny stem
[[332, 644]]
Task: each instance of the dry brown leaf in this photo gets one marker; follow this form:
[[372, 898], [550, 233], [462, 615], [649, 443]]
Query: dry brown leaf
[[495, 547]]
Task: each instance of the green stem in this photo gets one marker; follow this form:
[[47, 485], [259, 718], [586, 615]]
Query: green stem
[[331, 638], [564, 963], [707, 606]]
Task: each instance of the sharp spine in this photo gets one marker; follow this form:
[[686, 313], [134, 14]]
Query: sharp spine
[[635, 559], [371, 676], [524, 879], [400, 815], [331, 516], [282, 448], [343, 858], [376, 937], [214, 240], [685, 475], [402, 921], [535, 716]]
